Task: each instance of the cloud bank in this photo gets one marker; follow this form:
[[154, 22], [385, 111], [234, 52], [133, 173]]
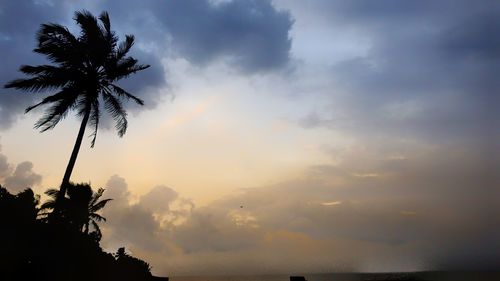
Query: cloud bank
[[427, 71], [383, 212]]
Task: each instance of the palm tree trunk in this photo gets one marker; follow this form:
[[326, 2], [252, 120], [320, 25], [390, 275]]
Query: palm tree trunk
[[74, 155]]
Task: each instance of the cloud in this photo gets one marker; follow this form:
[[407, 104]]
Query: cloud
[[129, 225], [426, 72], [117, 189], [4, 166], [336, 220], [159, 199], [17, 40], [251, 35], [143, 225], [217, 228], [413, 190], [22, 178], [428, 209]]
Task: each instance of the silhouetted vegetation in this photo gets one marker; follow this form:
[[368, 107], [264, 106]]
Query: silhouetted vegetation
[[39, 244], [84, 72], [59, 240], [131, 268], [78, 210]]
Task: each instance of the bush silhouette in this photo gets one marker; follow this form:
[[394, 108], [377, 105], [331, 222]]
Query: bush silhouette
[[36, 244], [60, 240], [131, 268]]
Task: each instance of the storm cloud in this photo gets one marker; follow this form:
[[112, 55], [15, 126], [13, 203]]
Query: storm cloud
[[19, 22], [428, 70], [250, 36], [18, 26]]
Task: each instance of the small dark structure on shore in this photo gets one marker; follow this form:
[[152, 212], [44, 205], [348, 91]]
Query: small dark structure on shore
[[297, 278]]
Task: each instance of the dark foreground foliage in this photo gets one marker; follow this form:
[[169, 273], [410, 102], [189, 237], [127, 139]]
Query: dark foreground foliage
[[37, 245]]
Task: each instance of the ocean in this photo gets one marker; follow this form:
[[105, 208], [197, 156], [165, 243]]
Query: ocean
[[417, 276]]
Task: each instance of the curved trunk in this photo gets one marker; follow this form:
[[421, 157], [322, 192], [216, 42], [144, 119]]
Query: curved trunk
[[74, 155]]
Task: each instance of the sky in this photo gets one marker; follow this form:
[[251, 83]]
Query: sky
[[282, 136]]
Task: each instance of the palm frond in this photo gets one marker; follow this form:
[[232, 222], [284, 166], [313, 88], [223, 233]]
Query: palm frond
[[51, 203], [124, 94], [58, 44], [104, 18], [56, 97], [96, 196], [115, 108], [56, 113], [52, 192], [124, 68], [94, 120], [42, 69], [53, 31], [88, 24], [98, 42], [97, 229], [42, 82], [124, 47], [108, 34], [99, 205], [97, 217]]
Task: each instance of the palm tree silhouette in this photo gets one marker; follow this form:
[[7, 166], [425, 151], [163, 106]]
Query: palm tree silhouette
[[84, 72], [80, 208]]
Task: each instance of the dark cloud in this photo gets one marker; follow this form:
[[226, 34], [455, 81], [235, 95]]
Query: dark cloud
[[149, 85], [252, 35], [429, 72], [19, 23]]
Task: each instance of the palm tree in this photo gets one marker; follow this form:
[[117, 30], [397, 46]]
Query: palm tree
[[79, 209], [84, 73]]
